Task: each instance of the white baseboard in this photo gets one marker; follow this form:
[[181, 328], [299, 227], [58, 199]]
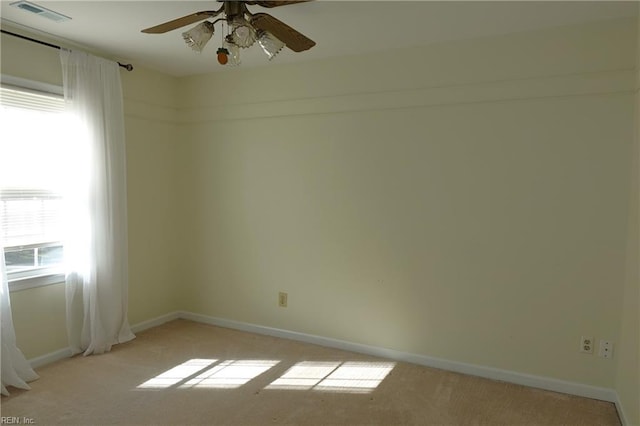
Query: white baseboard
[[621, 413], [45, 359], [540, 382], [154, 322], [66, 352]]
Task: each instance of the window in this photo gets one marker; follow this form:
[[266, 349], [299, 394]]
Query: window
[[33, 151]]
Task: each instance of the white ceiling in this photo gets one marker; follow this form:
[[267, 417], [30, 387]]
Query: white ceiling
[[338, 27]]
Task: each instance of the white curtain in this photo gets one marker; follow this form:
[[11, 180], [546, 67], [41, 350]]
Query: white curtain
[[96, 247], [16, 371]]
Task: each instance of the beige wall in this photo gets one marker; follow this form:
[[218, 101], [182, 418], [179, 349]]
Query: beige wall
[[628, 351], [149, 97], [468, 201], [152, 140]]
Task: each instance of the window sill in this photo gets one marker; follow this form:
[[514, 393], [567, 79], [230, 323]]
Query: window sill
[[20, 284]]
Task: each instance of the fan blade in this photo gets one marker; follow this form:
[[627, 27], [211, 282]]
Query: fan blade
[[271, 4], [292, 38], [181, 22]]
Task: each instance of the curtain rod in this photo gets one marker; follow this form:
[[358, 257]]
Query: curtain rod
[[128, 67]]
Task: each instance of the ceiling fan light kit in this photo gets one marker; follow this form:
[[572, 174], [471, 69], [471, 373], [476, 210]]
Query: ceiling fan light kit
[[244, 29], [198, 36], [269, 43], [242, 33]]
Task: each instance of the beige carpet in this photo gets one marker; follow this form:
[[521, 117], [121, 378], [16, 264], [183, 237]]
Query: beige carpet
[[194, 374]]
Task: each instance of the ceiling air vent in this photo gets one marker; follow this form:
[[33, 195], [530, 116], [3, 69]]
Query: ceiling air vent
[[40, 11]]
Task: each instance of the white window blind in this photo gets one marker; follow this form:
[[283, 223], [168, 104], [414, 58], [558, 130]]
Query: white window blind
[[30, 216], [30, 100], [32, 151]]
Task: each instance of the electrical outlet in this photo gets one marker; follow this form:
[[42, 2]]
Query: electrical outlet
[[606, 349], [586, 345], [282, 299]]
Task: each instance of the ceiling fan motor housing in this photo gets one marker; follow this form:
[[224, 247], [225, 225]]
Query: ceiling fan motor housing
[[233, 9]]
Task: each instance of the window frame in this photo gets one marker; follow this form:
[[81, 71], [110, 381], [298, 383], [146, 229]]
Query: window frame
[[39, 277]]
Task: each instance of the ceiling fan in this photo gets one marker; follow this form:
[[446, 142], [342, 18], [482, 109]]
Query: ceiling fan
[[243, 30]]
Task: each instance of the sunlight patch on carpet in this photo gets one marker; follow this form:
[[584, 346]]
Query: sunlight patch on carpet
[[329, 376], [350, 377], [229, 374], [177, 374]]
